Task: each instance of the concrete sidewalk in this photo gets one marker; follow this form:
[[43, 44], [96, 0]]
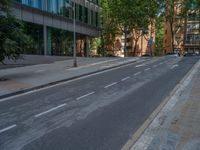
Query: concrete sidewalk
[[23, 79], [177, 126]]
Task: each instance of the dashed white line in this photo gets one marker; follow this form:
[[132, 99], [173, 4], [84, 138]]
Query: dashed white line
[[174, 66], [39, 71], [155, 66], [7, 128], [124, 79], [136, 74], [86, 95], [147, 69], [160, 63], [139, 65], [50, 110], [107, 86]]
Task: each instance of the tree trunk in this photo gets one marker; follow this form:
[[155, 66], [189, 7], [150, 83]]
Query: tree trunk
[[125, 44], [135, 47]]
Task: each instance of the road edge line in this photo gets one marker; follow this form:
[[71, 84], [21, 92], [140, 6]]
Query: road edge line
[[5, 96], [135, 137]]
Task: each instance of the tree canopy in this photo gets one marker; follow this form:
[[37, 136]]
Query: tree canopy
[[11, 35], [127, 16]]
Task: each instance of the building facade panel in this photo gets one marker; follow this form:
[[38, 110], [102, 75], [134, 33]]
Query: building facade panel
[[55, 19]]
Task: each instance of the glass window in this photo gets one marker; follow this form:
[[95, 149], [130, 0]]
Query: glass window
[[52, 6], [92, 17], [61, 6], [80, 13], [37, 3], [86, 15]]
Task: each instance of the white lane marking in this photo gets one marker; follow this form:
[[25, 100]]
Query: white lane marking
[[124, 79], [155, 66], [147, 69], [141, 61], [160, 63], [107, 86], [137, 73], [174, 66], [139, 65], [148, 130], [50, 110], [63, 83], [86, 95], [39, 71], [8, 128]]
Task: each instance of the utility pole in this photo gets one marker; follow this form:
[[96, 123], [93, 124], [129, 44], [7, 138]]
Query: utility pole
[[73, 6], [75, 58]]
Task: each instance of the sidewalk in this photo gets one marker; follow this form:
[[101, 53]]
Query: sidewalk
[[23, 79], [177, 126]]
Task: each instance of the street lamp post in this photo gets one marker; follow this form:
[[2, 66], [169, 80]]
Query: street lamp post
[[75, 58], [74, 30]]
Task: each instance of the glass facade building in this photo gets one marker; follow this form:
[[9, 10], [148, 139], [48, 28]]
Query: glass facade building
[[62, 7], [49, 23]]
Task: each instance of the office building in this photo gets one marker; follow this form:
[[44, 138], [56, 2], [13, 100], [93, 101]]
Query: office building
[[50, 24]]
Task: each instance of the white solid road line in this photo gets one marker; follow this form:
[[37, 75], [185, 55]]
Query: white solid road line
[[86, 95], [137, 73], [147, 69], [8, 128], [107, 86], [174, 66], [124, 79], [50, 110]]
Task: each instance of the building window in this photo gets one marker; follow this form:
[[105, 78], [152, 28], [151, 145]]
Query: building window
[[86, 15], [52, 6]]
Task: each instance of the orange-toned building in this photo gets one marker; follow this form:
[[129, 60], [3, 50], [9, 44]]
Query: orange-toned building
[[144, 45], [186, 31]]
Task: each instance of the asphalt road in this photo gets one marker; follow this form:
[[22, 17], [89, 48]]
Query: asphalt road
[[100, 112]]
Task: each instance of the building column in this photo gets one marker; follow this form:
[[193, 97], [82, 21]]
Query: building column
[[87, 46], [45, 40]]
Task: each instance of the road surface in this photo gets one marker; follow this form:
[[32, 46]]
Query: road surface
[[98, 112]]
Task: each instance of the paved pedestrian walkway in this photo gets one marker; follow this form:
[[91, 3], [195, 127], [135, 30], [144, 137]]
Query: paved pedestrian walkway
[[177, 126], [46, 72]]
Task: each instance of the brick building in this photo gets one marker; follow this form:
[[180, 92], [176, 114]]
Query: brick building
[[186, 31]]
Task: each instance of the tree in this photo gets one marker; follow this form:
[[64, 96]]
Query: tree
[[176, 13], [11, 35], [110, 29], [159, 35], [130, 16]]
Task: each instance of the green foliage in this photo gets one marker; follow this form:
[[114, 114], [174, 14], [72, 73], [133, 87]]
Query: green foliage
[[159, 36], [11, 34], [171, 14], [125, 16], [110, 28]]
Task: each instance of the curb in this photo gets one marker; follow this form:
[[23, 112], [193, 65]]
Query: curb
[[64, 80], [135, 137]]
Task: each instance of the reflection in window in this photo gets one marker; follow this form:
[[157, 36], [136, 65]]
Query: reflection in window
[[52, 6]]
